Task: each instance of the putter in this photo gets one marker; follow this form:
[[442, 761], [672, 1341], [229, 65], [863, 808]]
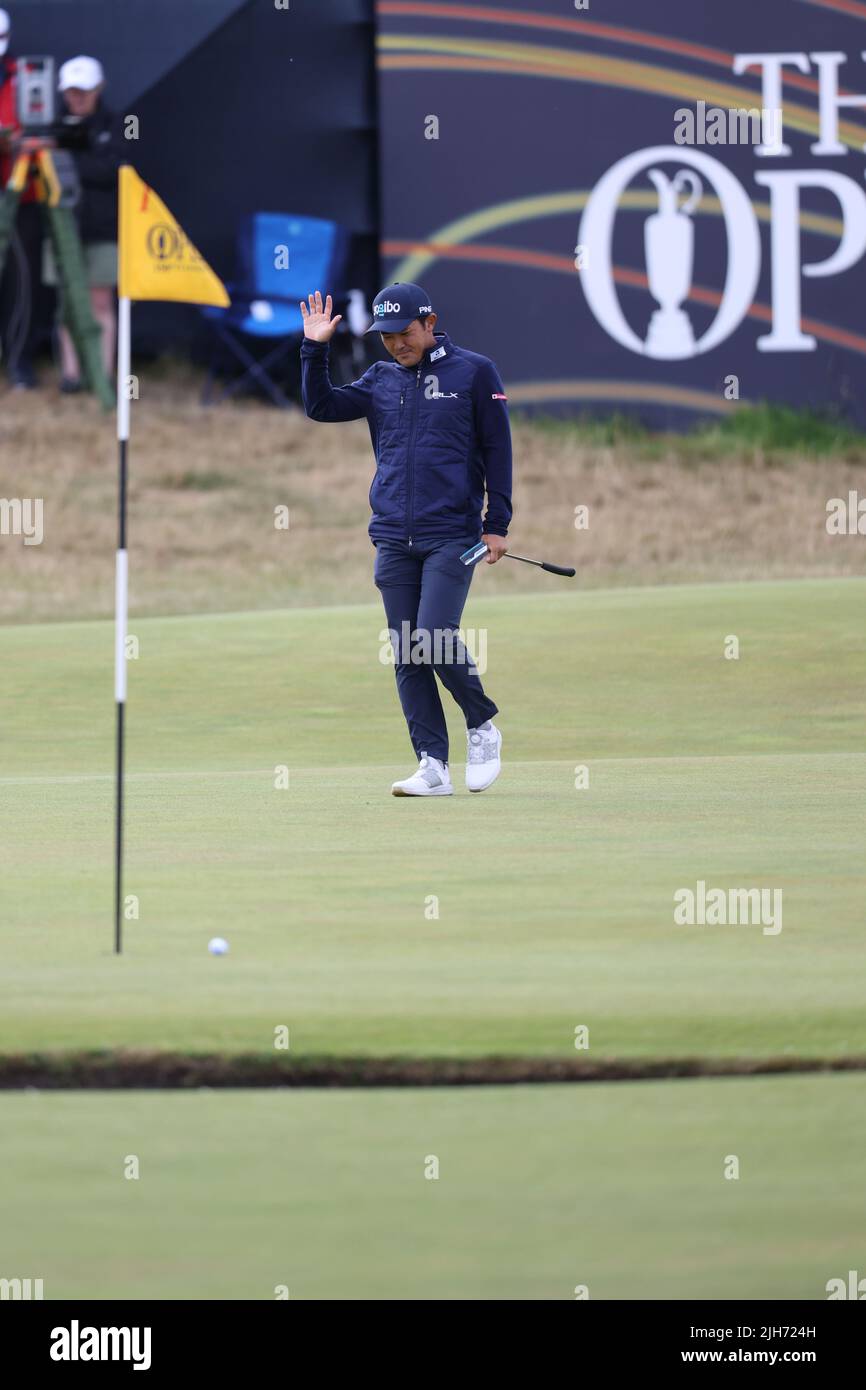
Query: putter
[[475, 552]]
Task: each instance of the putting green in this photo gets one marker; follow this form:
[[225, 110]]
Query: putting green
[[620, 1188], [555, 905]]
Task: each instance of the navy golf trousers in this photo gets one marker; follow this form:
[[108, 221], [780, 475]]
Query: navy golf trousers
[[424, 587]]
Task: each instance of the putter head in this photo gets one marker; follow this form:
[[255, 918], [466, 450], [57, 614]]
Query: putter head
[[474, 553]]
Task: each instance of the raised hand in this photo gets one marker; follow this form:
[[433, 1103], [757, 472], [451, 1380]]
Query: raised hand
[[318, 324]]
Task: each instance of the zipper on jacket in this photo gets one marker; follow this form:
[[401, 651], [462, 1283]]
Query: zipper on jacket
[[402, 396], [411, 456]]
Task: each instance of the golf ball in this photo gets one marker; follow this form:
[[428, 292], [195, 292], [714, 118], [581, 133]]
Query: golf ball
[[217, 946]]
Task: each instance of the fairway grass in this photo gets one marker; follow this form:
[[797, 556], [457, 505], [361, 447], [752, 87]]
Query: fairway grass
[[467, 926], [620, 1188]]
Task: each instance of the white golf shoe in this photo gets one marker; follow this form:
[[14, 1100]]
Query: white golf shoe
[[483, 763], [431, 779]]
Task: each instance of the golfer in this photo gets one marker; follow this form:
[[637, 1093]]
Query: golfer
[[439, 427]]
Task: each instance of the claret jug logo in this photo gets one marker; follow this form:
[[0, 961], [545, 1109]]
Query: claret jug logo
[[670, 231], [162, 241], [165, 243]]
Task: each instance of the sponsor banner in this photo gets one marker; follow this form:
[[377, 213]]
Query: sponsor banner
[[658, 208]]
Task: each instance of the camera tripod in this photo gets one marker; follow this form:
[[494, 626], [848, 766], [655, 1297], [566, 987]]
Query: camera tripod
[[57, 187]]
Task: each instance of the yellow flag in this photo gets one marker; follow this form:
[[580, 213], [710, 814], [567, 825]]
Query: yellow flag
[[156, 258]]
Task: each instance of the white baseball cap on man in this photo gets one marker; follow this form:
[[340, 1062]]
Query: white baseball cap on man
[[5, 26], [81, 73]]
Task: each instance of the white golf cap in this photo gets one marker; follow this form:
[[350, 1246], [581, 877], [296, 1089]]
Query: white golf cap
[[83, 73], [5, 26]]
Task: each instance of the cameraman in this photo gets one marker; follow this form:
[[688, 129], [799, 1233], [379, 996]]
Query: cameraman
[[91, 132], [20, 280]]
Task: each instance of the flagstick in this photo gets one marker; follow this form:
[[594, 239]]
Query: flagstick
[[140, 213], [121, 600]]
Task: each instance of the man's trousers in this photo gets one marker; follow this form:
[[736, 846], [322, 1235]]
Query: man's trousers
[[424, 587]]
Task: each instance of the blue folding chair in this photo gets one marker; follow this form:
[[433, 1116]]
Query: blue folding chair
[[281, 258]]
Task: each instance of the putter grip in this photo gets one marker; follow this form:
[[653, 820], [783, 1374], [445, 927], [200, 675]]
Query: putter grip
[[558, 569]]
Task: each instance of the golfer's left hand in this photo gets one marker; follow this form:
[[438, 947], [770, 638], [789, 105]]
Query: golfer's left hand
[[497, 546]]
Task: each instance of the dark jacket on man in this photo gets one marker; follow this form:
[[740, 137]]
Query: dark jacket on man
[[97, 146], [440, 434]]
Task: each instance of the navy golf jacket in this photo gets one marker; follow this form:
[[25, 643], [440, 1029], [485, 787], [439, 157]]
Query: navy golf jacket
[[440, 434]]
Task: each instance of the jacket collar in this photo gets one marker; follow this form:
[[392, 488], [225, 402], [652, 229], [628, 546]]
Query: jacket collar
[[444, 348]]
